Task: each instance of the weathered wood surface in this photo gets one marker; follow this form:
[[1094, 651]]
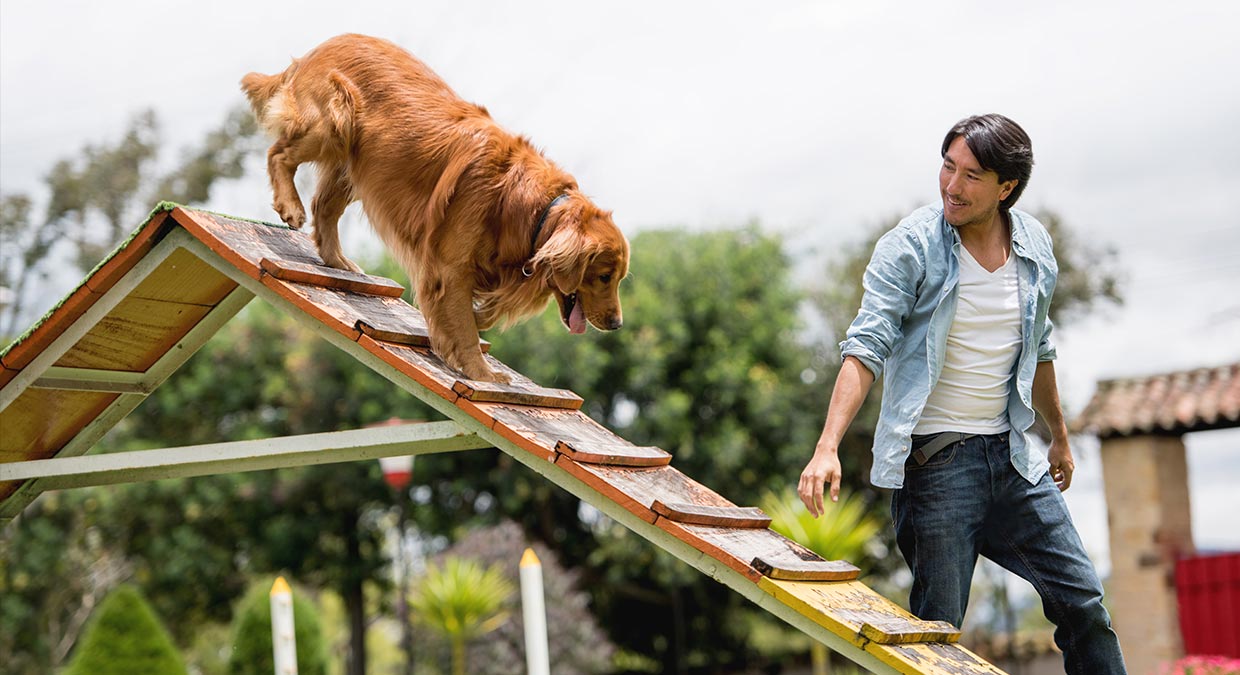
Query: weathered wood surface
[[932, 658], [742, 517], [40, 422], [796, 569], [737, 548], [134, 335], [844, 607], [906, 631], [637, 489], [245, 244], [330, 277], [539, 430], [517, 394], [613, 454]]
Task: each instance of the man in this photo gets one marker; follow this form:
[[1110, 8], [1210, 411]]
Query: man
[[955, 310]]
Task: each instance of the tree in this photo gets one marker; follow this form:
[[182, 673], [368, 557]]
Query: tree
[[125, 637], [95, 197], [252, 652], [461, 600]]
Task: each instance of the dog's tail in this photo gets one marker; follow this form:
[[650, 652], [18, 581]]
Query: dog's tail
[[260, 88]]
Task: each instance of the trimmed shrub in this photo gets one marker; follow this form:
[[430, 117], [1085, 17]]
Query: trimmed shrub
[[125, 637]]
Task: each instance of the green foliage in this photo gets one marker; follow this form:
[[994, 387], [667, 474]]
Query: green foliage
[[251, 636], [125, 637], [461, 600], [848, 530]]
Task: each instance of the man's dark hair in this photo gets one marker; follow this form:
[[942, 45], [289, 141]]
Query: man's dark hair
[[1000, 145]]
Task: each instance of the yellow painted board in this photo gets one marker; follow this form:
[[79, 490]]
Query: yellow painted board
[[932, 659], [844, 607]]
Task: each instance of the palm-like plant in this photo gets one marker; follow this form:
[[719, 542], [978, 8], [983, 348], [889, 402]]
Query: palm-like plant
[[462, 600], [844, 532]]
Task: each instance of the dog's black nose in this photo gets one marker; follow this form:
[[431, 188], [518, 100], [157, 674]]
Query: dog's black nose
[[614, 322]]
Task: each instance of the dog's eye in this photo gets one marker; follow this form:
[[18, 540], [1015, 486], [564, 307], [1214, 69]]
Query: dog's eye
[[606, 278]]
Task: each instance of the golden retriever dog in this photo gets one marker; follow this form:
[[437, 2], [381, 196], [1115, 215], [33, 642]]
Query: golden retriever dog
[[487, 228]]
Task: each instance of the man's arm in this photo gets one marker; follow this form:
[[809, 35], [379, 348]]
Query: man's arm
[[851, 387], [1046, 402]]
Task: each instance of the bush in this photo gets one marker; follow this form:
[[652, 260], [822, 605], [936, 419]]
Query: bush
[[251, 652], [125, 637]]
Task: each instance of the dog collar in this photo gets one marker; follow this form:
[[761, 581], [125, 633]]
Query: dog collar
[[542, 220]]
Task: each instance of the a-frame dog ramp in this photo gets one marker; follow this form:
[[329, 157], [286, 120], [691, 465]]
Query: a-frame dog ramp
[[184, 273]]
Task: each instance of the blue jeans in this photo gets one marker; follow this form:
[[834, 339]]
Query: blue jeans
[[969, 500]]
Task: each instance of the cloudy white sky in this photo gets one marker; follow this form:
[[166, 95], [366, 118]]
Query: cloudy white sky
[[817, 118]]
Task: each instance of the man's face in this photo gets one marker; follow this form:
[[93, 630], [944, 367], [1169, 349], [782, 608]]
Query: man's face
[[971, 194]]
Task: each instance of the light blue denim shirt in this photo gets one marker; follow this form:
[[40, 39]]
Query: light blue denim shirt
[[906, 312]]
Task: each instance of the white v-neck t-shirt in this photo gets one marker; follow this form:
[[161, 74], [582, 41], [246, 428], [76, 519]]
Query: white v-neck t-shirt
[[982, 345]]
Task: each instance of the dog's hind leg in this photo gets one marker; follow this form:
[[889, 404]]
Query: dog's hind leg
[[447, 304], [332, 195]]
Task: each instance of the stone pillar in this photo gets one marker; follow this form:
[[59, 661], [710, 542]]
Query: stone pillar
[[1146, 482]]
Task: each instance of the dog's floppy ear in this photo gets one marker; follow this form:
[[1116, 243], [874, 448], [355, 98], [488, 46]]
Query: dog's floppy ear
[[566, 254]]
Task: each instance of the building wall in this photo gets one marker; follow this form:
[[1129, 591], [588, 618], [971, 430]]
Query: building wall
[[1146, 482]]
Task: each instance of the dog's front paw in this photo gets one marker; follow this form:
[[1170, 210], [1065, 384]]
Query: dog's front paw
[[292, 213], [483, 373], [341, 263]]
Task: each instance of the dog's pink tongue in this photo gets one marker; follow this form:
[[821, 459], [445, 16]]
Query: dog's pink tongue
[[577, 320]]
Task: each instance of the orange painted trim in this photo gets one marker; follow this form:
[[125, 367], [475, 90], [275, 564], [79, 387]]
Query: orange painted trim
[[106, 277], [736, 564], [390, 357], [604, 488], [64, 316], [7, 375], [192, 224], [284, 291], [475, 411]]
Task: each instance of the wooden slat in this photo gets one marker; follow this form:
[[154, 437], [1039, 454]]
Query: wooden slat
[[413, 337], [330, 277], [845, 607], [931, 659], [492, 392], [245, 244], [613, 454], [745, 517], [896, 631], [807, 570], [636, 489], [539, 430], [737, 548]]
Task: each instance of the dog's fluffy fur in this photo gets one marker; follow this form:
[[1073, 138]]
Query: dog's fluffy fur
[[454, 196]]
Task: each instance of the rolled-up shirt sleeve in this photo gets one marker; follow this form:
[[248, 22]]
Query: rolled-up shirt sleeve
[[1046, 346], [890, 290]]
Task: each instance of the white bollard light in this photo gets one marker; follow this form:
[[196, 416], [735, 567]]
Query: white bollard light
[[534, 612], [283, 640]]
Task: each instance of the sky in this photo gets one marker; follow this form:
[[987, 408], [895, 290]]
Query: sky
[[816, 119]]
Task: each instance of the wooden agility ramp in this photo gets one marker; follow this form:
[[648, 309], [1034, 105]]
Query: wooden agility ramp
[[184, 273]]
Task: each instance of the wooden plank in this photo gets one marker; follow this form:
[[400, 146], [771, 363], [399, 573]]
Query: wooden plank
[[932, 658], [845, 607], [64, 315], [742, 517], [41, 421], [517, 394], [330, 277], [806, 570], [637, 489], [418, 338], [421, 364], [244, 244], [539, 430], [134, 335], [613, 454], [184, 277], [895, 631], [737, 548]]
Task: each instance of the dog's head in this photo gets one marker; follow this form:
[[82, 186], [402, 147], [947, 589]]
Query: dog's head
[[583, 261]]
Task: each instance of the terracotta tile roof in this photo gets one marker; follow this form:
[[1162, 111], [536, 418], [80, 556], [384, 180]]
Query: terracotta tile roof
[[1171, 403]]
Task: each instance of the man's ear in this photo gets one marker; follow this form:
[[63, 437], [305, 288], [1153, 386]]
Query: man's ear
[[1007, 187]]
